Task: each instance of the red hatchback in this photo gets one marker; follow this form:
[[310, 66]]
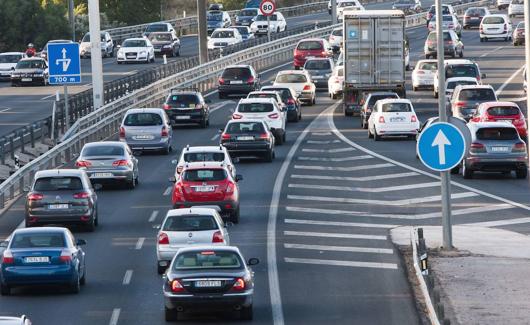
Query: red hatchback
[[311, 47], [502, 112], [208, 184]]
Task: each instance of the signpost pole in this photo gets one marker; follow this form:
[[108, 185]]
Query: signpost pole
[[95, 48], [268, 28], [66, 108], [333, 12], [203, 31]]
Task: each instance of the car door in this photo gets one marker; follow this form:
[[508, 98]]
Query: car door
[[222, 226], [78, 255]]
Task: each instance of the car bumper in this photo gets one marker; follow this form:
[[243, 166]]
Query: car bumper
[[321, 83], [148, 146], [226, 207], [214, 302], [26, 275], [494, 164], [162, 51], [236, 89], [495, 35], [136, 59], [115, 175], [184, 117], [246, 149], [28, 80], [406, 129], [79, 217], [417, 82], [166, 254], [472, 22], [306, 97], [5, 75]]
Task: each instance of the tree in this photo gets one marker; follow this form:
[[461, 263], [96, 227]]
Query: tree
[[131, 12]]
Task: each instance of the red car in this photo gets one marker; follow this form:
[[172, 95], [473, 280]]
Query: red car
[[208, 184], [502, 112], [311, 47]]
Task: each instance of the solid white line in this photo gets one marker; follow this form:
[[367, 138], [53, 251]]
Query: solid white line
[[341, 248], [508, 81], [329, 150], [505, 222], [332, 235], [322, 142], [140, 243], [127, 277], [355, 179], [342, 263], [215, 137], [153, 216], [167, 191], [115, 316], [321, 133], [325, 159], [492, 51], [366, 189], [339, 223], [343, 169]]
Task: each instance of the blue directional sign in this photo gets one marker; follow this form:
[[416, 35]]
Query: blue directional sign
[[64, 64], [441, 146]]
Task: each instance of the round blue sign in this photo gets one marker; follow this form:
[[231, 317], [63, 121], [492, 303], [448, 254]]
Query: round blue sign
[[441, 146]]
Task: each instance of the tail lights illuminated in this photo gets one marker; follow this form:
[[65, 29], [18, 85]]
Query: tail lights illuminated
[[477, 148], [307, 87], [264, 136], [166, 106], [413, 119], [121, 162], [239, 285], [176, 286], [481, 29], [217, 237], [7, 257], [81, 195], [519, 147], [381, 119], [230, 188], [290, 101], [505, 27], [460, 104], [164, 133], [236, 116], [274, 116], [163, 239], [66, 256], [83, 163], [35, 197], [122, 132]]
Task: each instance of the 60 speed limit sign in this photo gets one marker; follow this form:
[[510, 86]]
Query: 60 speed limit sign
[[267, 7]]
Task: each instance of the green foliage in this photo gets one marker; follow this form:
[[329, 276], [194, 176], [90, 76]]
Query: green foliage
[[232, 4], [131, 12]]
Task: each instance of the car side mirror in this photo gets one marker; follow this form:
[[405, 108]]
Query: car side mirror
[[253, 261], [221, 130], [172, 179], [483, 76], [239, 177], [80, 242]]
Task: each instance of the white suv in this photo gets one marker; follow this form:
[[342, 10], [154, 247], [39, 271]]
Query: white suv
[[204, 153], [265, 109]]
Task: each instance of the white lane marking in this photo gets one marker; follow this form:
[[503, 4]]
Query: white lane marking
[[366, 189], [153, 216], [215, 137], [140, 243], [403, 202], [115, 316], [339, 223], [223, 104], [508, 81], [325, 159], [355, 179], [49, 96], [329, 150], [127, 277], [343, 169], [272, 265], [322, 142], [342, 263], [492, 51], [351, 249], [167, 191], [5, 110], [332, 235], [320, 133], [505, 222]]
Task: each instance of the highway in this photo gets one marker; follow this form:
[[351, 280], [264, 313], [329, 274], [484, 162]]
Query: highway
[[318, 217]]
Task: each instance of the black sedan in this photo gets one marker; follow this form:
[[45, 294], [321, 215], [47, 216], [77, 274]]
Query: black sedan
[[248, 138], [209, 278], [165, 43]]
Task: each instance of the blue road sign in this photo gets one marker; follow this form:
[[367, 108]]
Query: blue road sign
[[64, 63], [441, 146]]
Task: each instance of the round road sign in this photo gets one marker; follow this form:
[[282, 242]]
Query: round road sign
[[267, 7]]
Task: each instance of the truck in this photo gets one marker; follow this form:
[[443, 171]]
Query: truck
[[374, 54]]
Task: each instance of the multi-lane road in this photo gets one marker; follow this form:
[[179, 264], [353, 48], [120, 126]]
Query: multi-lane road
[[317, 217]]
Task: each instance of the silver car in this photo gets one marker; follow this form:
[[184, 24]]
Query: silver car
[[190, 226], [109, 162], [146, 129], [320, 70]]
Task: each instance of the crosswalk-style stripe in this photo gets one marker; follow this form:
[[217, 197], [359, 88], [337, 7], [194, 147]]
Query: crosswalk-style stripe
[[355, 179], [332, 235], [344, 169], [341, 248], [321, 133], [338, 223], [329, 150], [341, 263], [366, 189], [322, 141], [326, 159]]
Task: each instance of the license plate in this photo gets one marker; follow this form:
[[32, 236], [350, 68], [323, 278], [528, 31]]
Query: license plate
[[26, 79], [397, 119], [143, 137], [262, 30], [183, 117], [207, 283], [236, 81], [58, 206], [317, 77], [248, 138], [500, 149], [158, 50], [208, 188], [95, 175], [36, 259]]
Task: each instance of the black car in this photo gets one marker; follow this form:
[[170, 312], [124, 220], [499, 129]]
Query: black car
[[185, 106], [238, 79], [165, 43], [209, 278], [294, 106], [248, 138], [368, 102], [30, 71]]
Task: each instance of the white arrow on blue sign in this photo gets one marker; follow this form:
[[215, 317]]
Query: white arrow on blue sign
[[441, 146], [64, 64]]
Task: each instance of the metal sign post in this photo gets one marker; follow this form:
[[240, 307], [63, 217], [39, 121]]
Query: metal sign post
[[333, 12], [268, 28], [267, 8]]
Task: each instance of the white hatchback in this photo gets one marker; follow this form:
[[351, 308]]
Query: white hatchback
[[423, 74], [335, 38], [204, 153], [336, 82], [495, 26], [223, 37], [393, 117], [265, 109]]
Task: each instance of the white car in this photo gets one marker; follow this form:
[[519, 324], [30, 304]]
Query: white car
[[264, 109], [451, 83], [277, 24], [449, 22], [335, 38], [423, 74], [223, 37], [336, 82], [300, 81], [8, 62], [347, 5], [107, 45], [185, 227], [495, 26], [503, 4], [268, 94], [393, 117], [516, 8], [136, 50], [204, 153]]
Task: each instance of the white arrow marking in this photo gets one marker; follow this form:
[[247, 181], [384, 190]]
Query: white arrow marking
[[64, 60], [441, 141]]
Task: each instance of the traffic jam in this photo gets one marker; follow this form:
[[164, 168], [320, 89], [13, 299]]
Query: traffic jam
[[199, 266]]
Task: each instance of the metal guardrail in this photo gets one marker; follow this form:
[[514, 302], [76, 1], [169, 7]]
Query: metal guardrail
[[421, 18]]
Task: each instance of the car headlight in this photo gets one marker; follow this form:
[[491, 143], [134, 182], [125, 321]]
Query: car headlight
[[142, 53]]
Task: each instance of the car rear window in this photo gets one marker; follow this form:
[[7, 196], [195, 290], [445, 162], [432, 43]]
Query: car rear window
[[143, 119], [101, 150], [156, 28], [243, 30], [134, 43], [204, 175], [309, 45], [475, 12], [430, 66], [396, 107], [432, 36], [461, 70], [374, 99], [273, 96], [190, 223], [291, 78], [10, 58], [453, 84], [236, 73], [248, 12], [255, 108], [503, 110], [162, 37], [447, 18], [445, 10], [477, 94], [207, 260], [58, 184], [317, 65], [30, 64], [245, 127], [184, 100], [284, 93], [493, 20], [204, 156], [38, 240], [497, 134]]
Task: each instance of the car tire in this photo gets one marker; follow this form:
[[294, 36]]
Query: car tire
[[160, 269], [204, 123], [5, 290], [414, 88], [346, 113], [119, 62], [246, 313], [364, 123], [333, 96], [167, 150], [284, 137], [427, 57], [481, 40], [454, 170], [407, 68], [269, 157], [521, 173], [435, 94], [453, 55], [82, 281], [131, 184], [91, 226], [221, 95], [279, 140], [376, 136], [75, 287], [467, 172], [314, 100], [111, 54], [370, 135], [234, 217], [96, 218], [170, 315], [461, 55]]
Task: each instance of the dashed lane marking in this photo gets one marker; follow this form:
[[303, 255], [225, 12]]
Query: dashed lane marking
[[339, 223], [392, 266], [344, 169], [366, 189], [322, 141], [167, 191], [329, 150], [332, 235], [115, 316], [127, 277], [153, 216], [325, 159], [351, 249], [140, 243], [320, 133], [354, 179]]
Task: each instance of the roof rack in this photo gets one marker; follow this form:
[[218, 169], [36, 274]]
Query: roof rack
[[180, 89]]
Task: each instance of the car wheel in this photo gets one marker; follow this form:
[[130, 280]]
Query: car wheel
[[91, 226], [234, 217], [314, 100], [454, 170], [481, 40], [467, 172], [407, 68], [5, 290], [167, 150], [279, 140], [96, 218], [485, 39], [170, 315], [278, 30], [204, 124], [160, 269], [82, 281], [521, 173], [119, 62], [111, 54], [370, 135], [131, 184], [414, 88], [364, 124], [222, 95], [76, 286], [299, 115], [269, 156], [376, 136], [461, 54], [284, 137], [453, 55], [427, 57], [435, 94], [246, 313], [178, 52], [333, 96]]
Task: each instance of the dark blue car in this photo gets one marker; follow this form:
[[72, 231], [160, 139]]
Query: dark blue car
[[246, 16], [252, 4], [42, 256]]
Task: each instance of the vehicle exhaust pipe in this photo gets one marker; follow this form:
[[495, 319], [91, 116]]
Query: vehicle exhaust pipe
[[180, 308], [237, 307]]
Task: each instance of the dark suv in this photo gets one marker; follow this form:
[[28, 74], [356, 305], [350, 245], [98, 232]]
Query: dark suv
[[184, 106], [238, 79], [368, 101]]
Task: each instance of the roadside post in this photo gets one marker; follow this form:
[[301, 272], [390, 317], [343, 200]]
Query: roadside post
[[527, 57], [267, 8], [333, 12]]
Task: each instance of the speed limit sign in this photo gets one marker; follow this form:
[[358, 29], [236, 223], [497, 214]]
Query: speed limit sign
[[267, 7]]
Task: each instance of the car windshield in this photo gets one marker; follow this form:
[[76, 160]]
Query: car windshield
[[190, 223], [214, 16], [236, 73], [447, 18], [346, 4], [134, 43], [445, 10], [520, 25], [262, 95], [156, 28], [503, 111], [184, 100], [497, 133], [317, 65], [517, 2], [204, 156], [402, 2], [461, 70], [337, 32], [248, 12], [493, 20], [291, 78], [309, 46], [475, 12], [10, 58], [242, 30], [223, 34], [430, 66], [162, 37], [396, 107], [102, 150], [86, 38], [245, 127], [143, 119], [38, 240], [30, 64], [374, 98], [255, 108], [204, 175], [207, 260], [478, 95], [58, 184], [453, 84]]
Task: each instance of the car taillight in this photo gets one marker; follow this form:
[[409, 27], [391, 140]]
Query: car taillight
[[199, 106], [477, 147], [176, 286], [163, 239], [221, 81], [121, 162], [381, 119], [166, 106], [264, 136], [66, 256], [81, 195], [178, 189], [236, 116], [250, 80], [519, 147], [460, 104], [274, 116], [413, 118], [230, 188], [420, 72], [480, 28], [466, 17], [505, 27], [164, 133], [179, 169], [7, 257], [225, 136], [239, 285], [35, 196], [82, 163], [430, 43], [291, 101], [307, 87], [519, 121], [217, 237], [122, 132]]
